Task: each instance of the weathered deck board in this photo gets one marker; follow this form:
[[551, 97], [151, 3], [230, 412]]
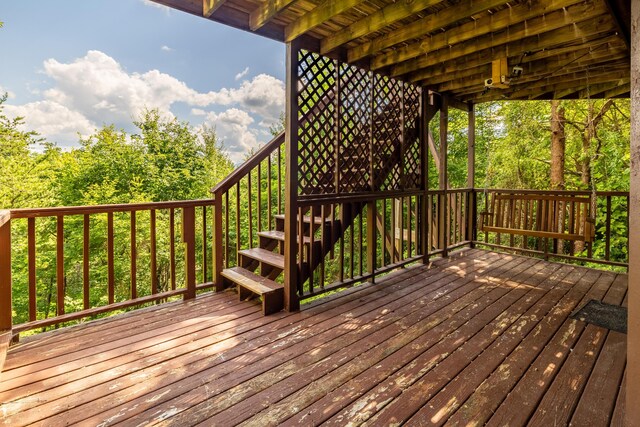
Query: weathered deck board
[[452, 343]]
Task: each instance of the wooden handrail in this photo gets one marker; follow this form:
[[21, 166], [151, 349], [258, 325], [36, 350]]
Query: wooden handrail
[[97, 209], [241, 171], [558, 192]]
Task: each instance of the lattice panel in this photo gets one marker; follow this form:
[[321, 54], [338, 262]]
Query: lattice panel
[[387, 133], [316, 118], [355, 130], [411, 138]]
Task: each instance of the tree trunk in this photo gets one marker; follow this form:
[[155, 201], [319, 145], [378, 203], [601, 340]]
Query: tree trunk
[[557, 145]]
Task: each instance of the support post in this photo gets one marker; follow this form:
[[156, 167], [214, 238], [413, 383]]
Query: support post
[[189, 239], [5, 272], [443, 210], [633, 334], [424, 174], [291, 299], [218, 241], [471, 176]]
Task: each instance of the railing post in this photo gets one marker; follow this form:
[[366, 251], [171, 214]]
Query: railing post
[[5, 271], [189, 239], [218, 241], [291, 299], [372, 247], [471, 176], [443, 210]]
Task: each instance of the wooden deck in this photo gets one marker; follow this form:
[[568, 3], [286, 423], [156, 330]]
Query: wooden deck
[[478, 338]]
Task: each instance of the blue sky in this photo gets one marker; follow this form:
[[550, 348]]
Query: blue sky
[[71, 66]]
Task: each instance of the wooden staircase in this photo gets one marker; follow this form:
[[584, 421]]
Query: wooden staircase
[[259, 268]]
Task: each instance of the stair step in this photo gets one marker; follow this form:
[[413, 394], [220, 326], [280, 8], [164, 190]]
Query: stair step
[[267, 257], [278, 235], [307, 219], [272, 293]]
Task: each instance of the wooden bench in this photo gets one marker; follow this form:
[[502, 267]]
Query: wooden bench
[[249, 283], [552, 216]]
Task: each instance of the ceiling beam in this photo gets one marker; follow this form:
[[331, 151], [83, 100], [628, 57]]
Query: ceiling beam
[[586, 91], [617, 91], [453, 68], [375, 21], [424, 26], [468, 31], [210, 6], [622, 18], [318, 16], [554, 29], [266, 12], [540, 69]]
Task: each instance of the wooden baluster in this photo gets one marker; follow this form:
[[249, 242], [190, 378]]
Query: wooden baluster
[[172, 247], [343, 228], [238, 240], [6, 322], [360, 238], [250, 210], [153, 249], [301, 258], [204, 243], [393, 231], [400, 214], [409, 239], [323, 231], [189, 239], [384, 233], [134, 258], [31, 232], [371, 238], [280, 189], [218, 260], [269, 192], [607, 247], [60, 265], [259, 203], [110, 259], [227, 208], [85, 263], [352, 212]]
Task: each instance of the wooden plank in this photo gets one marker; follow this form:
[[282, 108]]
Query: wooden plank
[[5, 340], [264, 256], [373, 22], [560, 400], [539, 33], [260, 335], [209, 7], [266, 12], [535, 382], [245, 278], [349, 347], [421, 27], [319, 15], [487, 397]]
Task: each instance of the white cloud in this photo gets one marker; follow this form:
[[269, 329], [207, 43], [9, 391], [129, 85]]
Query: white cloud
[[166, 48], [233, 128], [242, 74], [95, 89], [52, 120]]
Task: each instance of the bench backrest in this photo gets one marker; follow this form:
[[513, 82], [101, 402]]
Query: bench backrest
[[553, 216]]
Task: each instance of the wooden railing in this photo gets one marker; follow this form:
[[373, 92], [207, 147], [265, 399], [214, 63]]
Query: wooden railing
[[451, 222], [248, 202], [355, 239], [74, 262], [608, 246]]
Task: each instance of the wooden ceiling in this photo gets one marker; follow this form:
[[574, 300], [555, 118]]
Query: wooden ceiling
[[566, 48]]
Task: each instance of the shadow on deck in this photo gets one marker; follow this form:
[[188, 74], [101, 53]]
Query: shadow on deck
[[477, 338]]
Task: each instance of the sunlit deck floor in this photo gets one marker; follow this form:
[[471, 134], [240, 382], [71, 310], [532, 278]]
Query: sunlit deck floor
[[477, 338]]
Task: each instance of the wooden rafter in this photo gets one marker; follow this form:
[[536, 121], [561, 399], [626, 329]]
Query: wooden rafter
[[469, 31], [558, 30], [210, 6], [318, 16], [266, 12], [388, 15], [422, 27]]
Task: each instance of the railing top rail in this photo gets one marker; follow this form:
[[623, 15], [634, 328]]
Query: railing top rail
[[242, 170], [559, 192], [5, 216], [97, 209]]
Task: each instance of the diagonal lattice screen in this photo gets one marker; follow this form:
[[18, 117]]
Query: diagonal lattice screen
[[357, 131]]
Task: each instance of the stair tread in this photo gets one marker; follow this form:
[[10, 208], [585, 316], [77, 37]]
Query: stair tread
[[265, 256], [250, 280], [279, 235]]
